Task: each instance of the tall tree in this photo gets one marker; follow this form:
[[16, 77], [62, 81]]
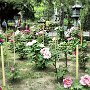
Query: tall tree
[[10, 8]]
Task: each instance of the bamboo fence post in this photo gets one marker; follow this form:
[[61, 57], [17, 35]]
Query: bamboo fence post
[[3, 69], [14, 46], [77, 63]]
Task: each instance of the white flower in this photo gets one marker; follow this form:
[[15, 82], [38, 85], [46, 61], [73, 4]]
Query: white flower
[[73, 28], [54, 38], [1, 32], [67, 33], [47, 49], [41, 32], [34, 41], [29, 44], [22, 36], [17, 32], [41, 45], [45, 30], [62, 43], [42, 51], [56, 28], [37, 34]]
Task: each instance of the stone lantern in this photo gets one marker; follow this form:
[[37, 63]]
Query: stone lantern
[[76, 13]]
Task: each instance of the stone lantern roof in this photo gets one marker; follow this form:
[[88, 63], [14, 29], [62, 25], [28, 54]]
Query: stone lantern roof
[[76, 6]]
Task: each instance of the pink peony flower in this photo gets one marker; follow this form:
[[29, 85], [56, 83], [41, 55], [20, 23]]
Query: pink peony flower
[[79, 35], [12, 69], [85, 80], [42, 51], [71, 38], [74, 53], [11, 40], [27, 31], [1, 40], [47, 55], [0, 88], [67, 82]]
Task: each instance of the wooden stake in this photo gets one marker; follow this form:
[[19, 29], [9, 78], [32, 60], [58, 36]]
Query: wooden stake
[[43, 34], [14, 47], [56, 57], [81, 34], [77, 63], [3, 70], [55, 43], [6, 34]]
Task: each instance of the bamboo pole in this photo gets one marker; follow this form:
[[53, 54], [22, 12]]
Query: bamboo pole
[[55, 43], [14, 46], [3, 69], [81, 35], [56, 56], [77, 63], [6, 34], [43, 34]]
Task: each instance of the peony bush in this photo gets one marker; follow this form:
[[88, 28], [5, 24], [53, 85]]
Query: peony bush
[[38, 53]]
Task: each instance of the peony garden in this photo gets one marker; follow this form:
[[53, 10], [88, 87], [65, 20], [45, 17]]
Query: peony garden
[[44, 45]]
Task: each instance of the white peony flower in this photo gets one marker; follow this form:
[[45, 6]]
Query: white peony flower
[[17, 32], [41, 32], [41, 45], [54, 38], [73, 28], [29, 44], [37, 34], [56, 28], [34, 41], [62, 43]]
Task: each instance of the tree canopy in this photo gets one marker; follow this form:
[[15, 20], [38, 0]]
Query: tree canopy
[[38, 8], [10, 8]]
